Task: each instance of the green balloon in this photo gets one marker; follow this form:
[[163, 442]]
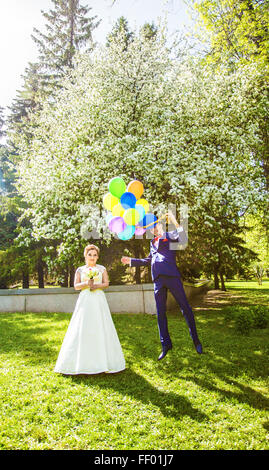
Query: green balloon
[[117, 186]]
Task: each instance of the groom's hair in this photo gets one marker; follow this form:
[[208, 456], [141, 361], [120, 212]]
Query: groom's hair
[[89, 248]]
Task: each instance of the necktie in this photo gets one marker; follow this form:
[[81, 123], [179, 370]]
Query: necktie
[[157, 238]]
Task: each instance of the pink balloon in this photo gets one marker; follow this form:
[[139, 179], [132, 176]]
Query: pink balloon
[[117, 224], [139, 230]]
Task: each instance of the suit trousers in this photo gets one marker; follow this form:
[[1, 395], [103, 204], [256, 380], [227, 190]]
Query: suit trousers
[[174, 284]]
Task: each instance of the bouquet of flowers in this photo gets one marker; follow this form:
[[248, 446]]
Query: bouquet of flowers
[[92, 273]]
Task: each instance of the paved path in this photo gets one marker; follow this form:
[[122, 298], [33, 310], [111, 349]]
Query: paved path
[[214, 299]]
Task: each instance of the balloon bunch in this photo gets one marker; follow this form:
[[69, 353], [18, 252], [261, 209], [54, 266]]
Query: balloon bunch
[[129, 212]]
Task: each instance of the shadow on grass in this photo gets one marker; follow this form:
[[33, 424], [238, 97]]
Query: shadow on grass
[[31, 336], [249, 296], [245, 395], [129, 383], [37, 339], [217, 299]]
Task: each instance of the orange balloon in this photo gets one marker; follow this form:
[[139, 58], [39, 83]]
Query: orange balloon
[[136, 187]]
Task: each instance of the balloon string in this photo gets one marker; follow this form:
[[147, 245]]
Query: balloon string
[[155, 221]]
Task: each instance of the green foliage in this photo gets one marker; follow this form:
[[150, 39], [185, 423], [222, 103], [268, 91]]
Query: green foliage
[[237, 33], [146, 110], [257, 239], [247, 318], [260, 315], [243, 321], [2, 121], [238, 30], [121, 28], [68, 30], [118, 111], [9, 214], [27, 101]]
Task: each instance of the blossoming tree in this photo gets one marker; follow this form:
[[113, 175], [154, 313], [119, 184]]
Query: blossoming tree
[[146, 112]]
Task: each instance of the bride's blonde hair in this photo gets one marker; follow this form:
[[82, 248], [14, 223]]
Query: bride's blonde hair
[[89, 248]]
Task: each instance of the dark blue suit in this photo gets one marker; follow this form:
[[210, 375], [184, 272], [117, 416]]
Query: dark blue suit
[[165, 275]]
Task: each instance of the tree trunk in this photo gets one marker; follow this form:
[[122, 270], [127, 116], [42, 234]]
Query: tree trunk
[[64, 283], [138, 275], [40, 273], [137, 269], [216, 279], [71, 276], [25, 280], [222, 282]]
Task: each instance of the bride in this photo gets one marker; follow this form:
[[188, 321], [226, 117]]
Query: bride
[[91, 344]]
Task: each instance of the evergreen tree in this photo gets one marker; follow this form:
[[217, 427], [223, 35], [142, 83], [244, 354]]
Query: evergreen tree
[[2, 133], [8, 217], [68, 30], [26, 101], [149, 31], [121, 30], [2, 121], [7, 172]]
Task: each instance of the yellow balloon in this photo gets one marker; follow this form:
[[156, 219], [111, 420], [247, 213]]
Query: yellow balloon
[[110, 201], [144, 203], [131, 216], [118, 210]]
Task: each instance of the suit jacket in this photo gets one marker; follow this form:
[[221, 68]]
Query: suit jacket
[[161, 258]]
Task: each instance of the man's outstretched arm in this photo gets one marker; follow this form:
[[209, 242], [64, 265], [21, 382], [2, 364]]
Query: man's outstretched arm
[[136, 261]]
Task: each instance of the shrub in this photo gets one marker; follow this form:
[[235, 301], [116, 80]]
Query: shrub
[[256, 316], [260, 315], [243, 321]]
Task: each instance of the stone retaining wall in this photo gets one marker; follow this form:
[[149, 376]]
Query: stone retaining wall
[[121, 299]]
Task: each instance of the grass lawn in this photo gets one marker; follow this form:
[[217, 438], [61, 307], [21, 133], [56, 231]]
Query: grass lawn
[[218, 400], [250, 292]]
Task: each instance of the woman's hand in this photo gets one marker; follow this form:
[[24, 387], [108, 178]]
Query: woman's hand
[[125, 260], [90, 283]]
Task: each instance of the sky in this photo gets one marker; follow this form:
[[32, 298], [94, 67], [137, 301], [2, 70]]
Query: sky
[[19, 17]]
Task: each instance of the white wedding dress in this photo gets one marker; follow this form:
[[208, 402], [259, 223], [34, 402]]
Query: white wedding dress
[[91, 344]]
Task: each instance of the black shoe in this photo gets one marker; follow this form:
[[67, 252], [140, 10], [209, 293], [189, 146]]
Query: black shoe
[[164, 352], [199, 348]]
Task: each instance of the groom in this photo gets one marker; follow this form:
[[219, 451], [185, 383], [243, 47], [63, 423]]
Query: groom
[[165, 275]]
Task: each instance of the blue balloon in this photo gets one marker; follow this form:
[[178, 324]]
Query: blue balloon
[[128, 200], [141, 211], [127, 233], [148, 219]]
